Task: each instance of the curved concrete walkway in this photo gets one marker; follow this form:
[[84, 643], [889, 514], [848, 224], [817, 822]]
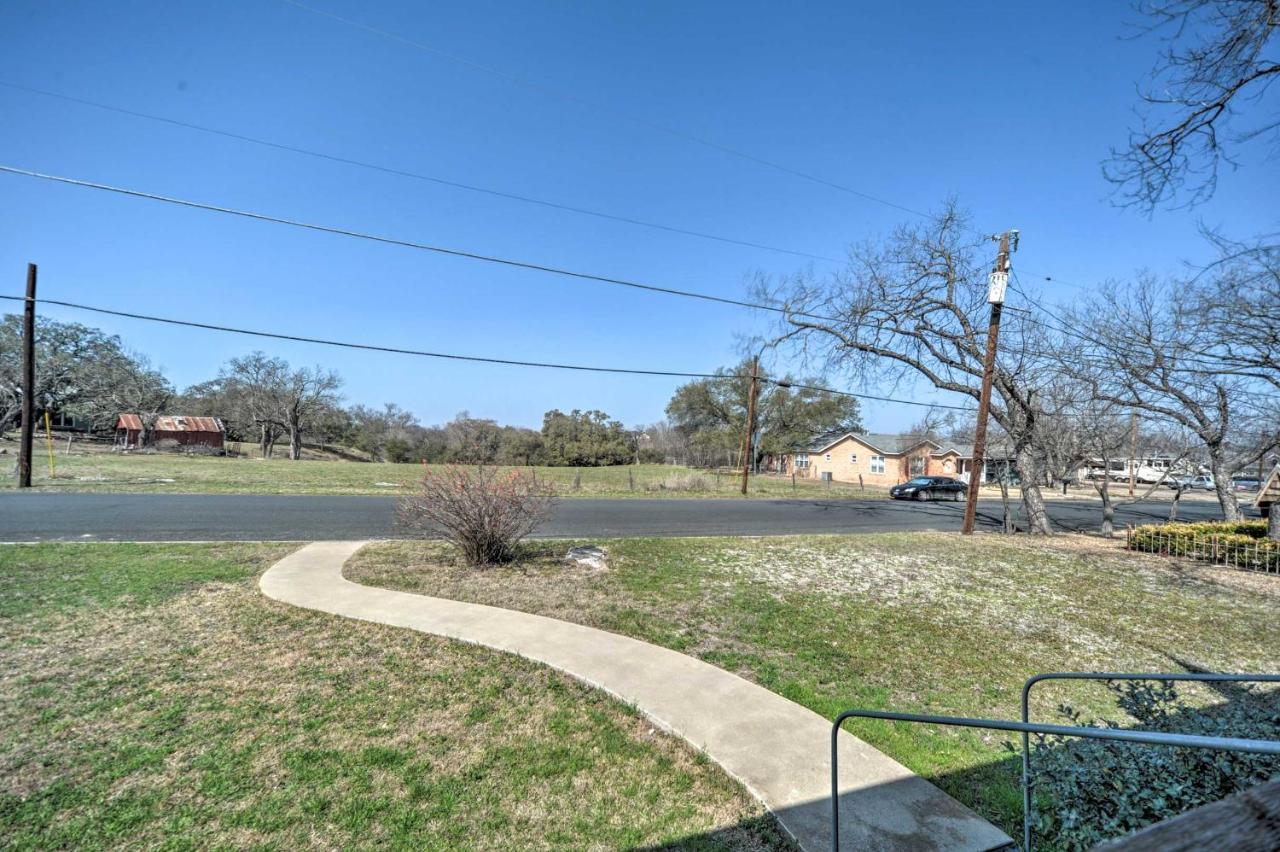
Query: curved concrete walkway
[[779, 750]]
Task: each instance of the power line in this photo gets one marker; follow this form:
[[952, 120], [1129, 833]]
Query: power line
[[345, 232], [1052, 280], [348, 161], [596, 106], [473, 358]]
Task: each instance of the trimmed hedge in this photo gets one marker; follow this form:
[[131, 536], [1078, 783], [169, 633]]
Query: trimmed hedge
[[1241, 544]]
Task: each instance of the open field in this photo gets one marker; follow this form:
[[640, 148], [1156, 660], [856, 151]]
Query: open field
[[153, 698], [183, 474], [92, 467], [923, 622]]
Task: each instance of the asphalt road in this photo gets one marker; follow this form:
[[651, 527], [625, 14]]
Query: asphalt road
[[42, 516]]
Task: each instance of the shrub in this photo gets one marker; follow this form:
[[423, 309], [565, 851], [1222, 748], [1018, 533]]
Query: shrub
[[1239, 543], [483, 511], [1090, 790]]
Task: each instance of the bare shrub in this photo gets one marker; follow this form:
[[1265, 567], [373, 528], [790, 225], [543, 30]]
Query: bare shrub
[[483, 511]]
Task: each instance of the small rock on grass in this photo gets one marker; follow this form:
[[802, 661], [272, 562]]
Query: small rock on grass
[[588, 556]]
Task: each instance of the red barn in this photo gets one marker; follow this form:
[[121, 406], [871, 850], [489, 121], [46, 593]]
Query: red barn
[[187, 431]]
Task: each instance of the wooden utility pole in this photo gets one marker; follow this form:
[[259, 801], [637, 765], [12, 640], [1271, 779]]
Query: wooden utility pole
[[998, 281], [28, 380], [748, 443], [1133, 451]]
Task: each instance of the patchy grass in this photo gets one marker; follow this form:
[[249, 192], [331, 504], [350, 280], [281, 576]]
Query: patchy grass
[[183, 474], [152, 698], [925, 622]]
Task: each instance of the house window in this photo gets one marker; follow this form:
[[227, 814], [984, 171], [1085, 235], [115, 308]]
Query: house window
[[877, 464], [828, 456], [853, 459], [802, 461], [917, 465]]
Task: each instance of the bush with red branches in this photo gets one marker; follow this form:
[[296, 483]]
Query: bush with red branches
[[482, 510]]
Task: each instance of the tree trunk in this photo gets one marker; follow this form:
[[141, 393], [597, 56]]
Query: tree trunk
[[1031, 470], [1273, 521], [1173, 506], [1222, 485], [1004, 505], [295, 441], [1108, 514]]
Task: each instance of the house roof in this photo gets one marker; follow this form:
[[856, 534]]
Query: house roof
[[1269, 493], [964, 451], [172, 423], [885, 443]]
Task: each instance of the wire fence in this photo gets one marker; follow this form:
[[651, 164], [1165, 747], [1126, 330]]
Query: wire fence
[[1234, 549]]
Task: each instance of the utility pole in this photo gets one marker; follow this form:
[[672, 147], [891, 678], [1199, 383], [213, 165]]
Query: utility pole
[[748, 449], [28, 380], [1133, 450], [997, 284]]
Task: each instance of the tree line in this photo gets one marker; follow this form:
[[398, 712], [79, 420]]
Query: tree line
[[263, 400]]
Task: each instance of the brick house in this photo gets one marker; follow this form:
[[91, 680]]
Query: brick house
[[879, 459]]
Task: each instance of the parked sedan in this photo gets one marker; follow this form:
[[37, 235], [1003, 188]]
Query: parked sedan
[[929, 488]]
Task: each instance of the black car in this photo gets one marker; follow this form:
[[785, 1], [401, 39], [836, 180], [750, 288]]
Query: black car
[[929, 488]]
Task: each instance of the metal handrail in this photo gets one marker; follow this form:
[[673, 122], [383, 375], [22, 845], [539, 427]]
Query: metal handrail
[[1202, 677], [1115, 734]]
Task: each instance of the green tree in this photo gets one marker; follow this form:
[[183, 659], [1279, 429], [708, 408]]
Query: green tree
[[585, 439], [75, 366], [711, 414]]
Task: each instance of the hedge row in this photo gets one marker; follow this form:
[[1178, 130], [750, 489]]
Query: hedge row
[[1241, 544]]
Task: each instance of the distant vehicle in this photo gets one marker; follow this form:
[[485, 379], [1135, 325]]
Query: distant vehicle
[[1246, 483], [1191, 483], [929, 488]]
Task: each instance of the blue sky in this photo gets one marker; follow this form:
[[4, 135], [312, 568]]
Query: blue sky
[[1004, 106]]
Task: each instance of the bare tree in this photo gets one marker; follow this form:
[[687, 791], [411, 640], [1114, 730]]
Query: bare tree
[[1102, 430], [304, 395], [1148, 348], [1215, 56], [916, 307], [250, 387], [128, 383], [1238, 299]]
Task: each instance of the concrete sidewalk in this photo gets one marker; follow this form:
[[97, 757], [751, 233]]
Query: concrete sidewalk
[[779, 750]]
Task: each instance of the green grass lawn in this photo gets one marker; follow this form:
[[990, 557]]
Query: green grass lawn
[[183, 474], [152, 698], [918, 622]]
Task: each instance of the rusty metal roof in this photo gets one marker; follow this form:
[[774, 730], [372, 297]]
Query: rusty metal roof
[[172, 423]]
